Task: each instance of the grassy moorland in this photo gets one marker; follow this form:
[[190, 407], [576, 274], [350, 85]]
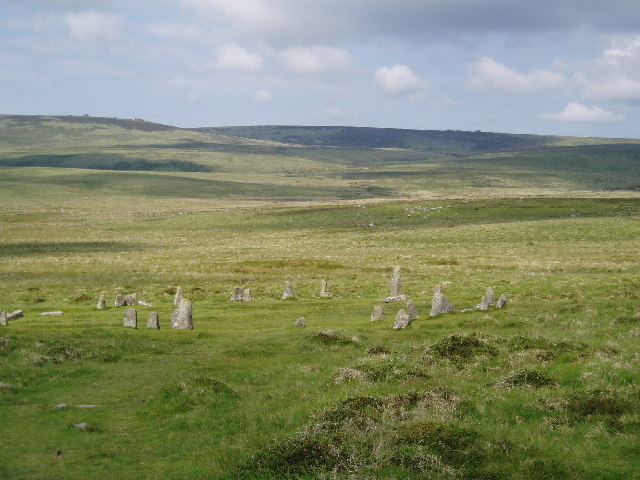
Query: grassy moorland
[[545, 388]]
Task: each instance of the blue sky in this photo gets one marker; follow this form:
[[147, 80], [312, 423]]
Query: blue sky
[[566, 67]]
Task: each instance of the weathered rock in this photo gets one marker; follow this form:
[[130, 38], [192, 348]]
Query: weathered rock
[[247, 296], [153, 321], [378, 314], [301, 322], [502, 301], [484, 303], [396, 283], [81, 426], [399, 298], [15, 314], [236, 296], [60, 406], [288, 291], [178, 297], [131, 318], [3, 319], [412, 310], [491, 298], [324, 290], [145, 304], [53, 314], [131, 300], [437, 289], [182, 318], [440, 305], [402, 320], [119, 300], [102, 302]]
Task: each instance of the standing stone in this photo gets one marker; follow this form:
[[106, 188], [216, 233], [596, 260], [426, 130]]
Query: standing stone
[[3, 319], [502, 301], [16, 314], [396, 283], [247, 296], [153, 321], [440, 305], [491, 298], [402, 320], [324, 291], [119, 300], [437, 289], [102, 302], [131, 299], [484, 303], [378, 314], [131, 318], [182, 318], [412, 310], [236, 296], [178, 297], [288, 291], [301, 322]]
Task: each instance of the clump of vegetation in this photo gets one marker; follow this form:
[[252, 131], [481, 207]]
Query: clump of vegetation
[[463, 348], [5, 344], [52, 351], [7, 388], [606, 402], [196, 391], [528, 377], [378, 350], [83, 298], [332, 338]]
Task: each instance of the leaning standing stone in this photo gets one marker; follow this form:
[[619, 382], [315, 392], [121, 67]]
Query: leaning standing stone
[[324, 290], [491, 298], [131, 299], [502, 301], [412, 310], [131, 318], [402, 320], [16, 314], [378, 314], [178, 297], [396, 283], [102, 302], [236, 296], [3, 319], [182, 318], [440, 305], [247, 296], [288, 291], [119, 300], [484, 303], [153, 321], [301, 322]]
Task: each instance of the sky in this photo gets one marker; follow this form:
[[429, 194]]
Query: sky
[[562, 67]]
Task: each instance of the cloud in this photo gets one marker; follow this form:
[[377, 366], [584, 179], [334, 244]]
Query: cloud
[[578, 113], [486, 74], [336, 112], [262, 96], [316, 60], [177, 32], [94, 27], [399, 79], [612, 89], [234, 57]]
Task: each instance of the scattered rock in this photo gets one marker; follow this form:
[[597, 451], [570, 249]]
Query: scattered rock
[[131, 300], [440, 305], [502, 301], [247, 296], [301, 322], [378, 314], [484, 303], [236, 296], [324, 291], [86, 406], [178, 297], [119, 300], [81, 426], [396, 283], [102, 302], [3, 319], [402, 320], [491, 298], [16, 314], [60, 406], [57, 312], [144, 304], [153, 321], [412, 310], [131, 318], [288, 291], [182, 318]]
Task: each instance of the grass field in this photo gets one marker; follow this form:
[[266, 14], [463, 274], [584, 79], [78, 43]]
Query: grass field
[[546, 388]]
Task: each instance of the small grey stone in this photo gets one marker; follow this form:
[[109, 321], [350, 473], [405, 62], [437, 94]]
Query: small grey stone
[[484, 303], [301, 322], [81, 426], [178, 297], [236, 296], [247, 296], [102, 302], [491, 298], [86, 406], [182, 318], [153, 321], [3, 319], [288, 291], [402, 320], [60, 406], [412, 310], [440, 305], [378, 314], [131, 300], [396, 283], [324, 290], [144, 304], [119, 300], [399, 298], [131, 318], [502, 301], [16, 314], [57, 312]]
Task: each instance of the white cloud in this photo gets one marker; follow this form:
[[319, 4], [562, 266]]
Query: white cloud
[[262, 96], [244, 15], [316, 60], [180, 32], [399, 79], [94, 27], [616, 88], [488, 75], [578, 113], [234, 57]]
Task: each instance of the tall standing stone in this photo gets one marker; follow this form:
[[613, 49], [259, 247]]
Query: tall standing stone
[[102, 302], [502, 301], [484, 303], [236, 296], [396, 283], [153, 321], [402, 320], [131, 299], [288, 291], [491, 298], [131, 318], [247, 296], [182, 318], [412, 310], [3, 319], [378, 314], [178, 297], [119, 300], [324, 290], [440, 305]]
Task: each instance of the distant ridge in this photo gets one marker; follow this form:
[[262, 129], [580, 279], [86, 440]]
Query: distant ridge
[[129, 124]]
